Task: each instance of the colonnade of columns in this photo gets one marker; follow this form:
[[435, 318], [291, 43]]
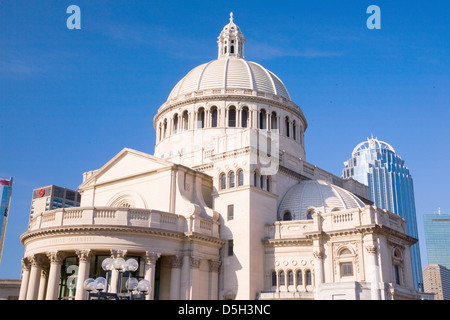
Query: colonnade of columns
[[41, 275]]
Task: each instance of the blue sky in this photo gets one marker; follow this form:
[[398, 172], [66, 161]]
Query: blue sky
[[72, 99]]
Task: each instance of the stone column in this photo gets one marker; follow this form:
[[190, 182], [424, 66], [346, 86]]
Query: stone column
[[115, 274], [176, 263], [318, 271], [150, 265], [374, 272], [56, 258], [195, 278], [26, 267], [35, 273], [84, 261], [214, 266], [43, 284]]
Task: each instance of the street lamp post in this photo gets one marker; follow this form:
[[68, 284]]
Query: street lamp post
[[99, 288]]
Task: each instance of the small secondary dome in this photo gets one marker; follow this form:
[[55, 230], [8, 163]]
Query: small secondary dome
[[318, 194], [230, 70]]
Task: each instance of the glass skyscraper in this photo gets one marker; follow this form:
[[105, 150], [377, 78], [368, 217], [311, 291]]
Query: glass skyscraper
[[375, 164], [437, 238], [5, 198]]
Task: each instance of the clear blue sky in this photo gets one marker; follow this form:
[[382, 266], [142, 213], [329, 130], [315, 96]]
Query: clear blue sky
[[72, 99]]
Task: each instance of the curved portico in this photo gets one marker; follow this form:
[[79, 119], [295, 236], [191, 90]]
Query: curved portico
[[63, 241]]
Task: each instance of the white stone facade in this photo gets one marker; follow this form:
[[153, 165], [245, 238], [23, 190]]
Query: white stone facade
[[203, 213]]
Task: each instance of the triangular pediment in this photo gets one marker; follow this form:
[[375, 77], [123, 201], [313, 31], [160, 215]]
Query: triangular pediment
[[126, 163]]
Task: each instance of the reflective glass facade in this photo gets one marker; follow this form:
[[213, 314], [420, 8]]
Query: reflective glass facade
[[437, 238], [375, 164], [5, 197]]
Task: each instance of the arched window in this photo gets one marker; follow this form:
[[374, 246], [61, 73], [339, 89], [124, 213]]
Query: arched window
[[273, 121], [240, 178], [268, 183], [262, 119], [261, 181], [214, 117], [299, 277], [287, 126], [244, 117], [287, 216], [308, 278], [175, 123], [274, 278], [290, 278], [201, 118], [232, 178], [232, 117], [309, 214], [165, 128], [223, 181], [185, 119], [255, 178], [282, 278], [294, 130]]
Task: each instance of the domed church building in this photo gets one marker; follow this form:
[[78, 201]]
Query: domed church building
[[227, 207]]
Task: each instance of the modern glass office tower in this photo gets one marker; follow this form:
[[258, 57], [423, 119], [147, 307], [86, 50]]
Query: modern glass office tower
[[375, 164], [5, 199], [437, 238]]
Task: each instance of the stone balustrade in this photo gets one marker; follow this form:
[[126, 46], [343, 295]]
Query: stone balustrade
[[122, 216], [336, 221]]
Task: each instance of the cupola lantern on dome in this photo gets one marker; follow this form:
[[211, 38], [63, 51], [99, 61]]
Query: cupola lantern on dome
[[231, 41]]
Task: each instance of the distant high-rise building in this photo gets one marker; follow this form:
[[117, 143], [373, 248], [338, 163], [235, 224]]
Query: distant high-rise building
[[437, 238], [374, 163], [5, 200], [53, 197], [436, 279]]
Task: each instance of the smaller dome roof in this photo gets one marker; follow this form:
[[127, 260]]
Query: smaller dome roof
[[318, 194]]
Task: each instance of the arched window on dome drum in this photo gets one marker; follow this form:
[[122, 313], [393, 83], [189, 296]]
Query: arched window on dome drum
[[223, 181], [287, 216], [261, 181], [232, 180], [185, 119], [232, 49], [273, 121], [165, 128], [294, 130], [262, 119], [268, 183], [240, 178], [175, 123], [244, 117], [232, 117], [201, 118], [287, 126], [309, 215], [214, 117]]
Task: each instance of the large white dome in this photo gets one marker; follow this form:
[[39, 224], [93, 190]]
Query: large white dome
[[230, 73]]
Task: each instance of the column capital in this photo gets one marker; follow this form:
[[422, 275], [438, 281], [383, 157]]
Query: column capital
[[195, 261], [151, 257], [26, 263], [35, 260], [317, 254], [176, 261], [371, 249], [214, 265], [84, 254], [116, 253], [56, 256]]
